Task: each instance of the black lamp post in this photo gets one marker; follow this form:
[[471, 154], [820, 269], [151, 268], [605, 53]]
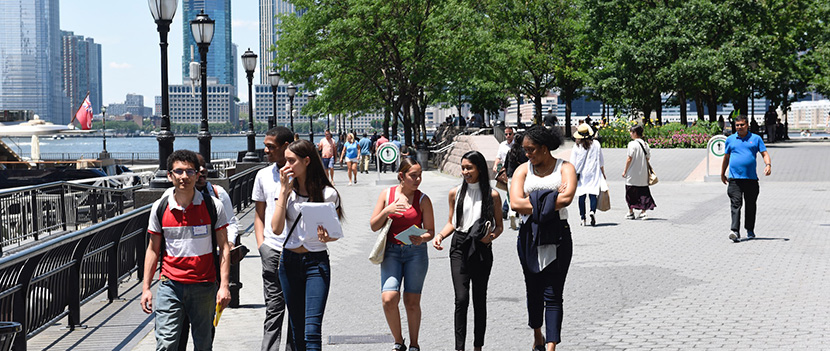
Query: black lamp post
[[274, 80], [311, 97], [104, 154], [163, 12], [202, 30], [291, 90], [249, 63]]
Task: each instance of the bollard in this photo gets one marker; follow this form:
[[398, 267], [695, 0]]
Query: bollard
[[8, 330]]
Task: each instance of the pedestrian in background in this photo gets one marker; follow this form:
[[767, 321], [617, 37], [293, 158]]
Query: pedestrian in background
[[515, 157], [471, 257], [327, 147], [341, 140], [741, 151], [269, 244], [637, 192], [305, 270], [350, 152], [403, 264], [587, 159], [542, 189], [365, 152]]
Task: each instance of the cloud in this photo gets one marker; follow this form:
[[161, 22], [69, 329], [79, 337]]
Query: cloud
[[117, 65], [245, 24]]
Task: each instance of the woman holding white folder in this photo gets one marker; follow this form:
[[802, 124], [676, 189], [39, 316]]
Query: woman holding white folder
[[305, 273], [471, 253], [404, 264]]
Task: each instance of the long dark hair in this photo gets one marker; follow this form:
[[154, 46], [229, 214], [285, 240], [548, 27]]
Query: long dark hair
[[406, 164], [316, 178], [585, 142], [477, 159]]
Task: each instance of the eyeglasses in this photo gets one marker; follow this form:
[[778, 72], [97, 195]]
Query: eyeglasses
[[190, 171]]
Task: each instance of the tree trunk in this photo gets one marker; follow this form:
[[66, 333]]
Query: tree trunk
[[659, 110], [407, 121], [681, 97], [699, 106], [537, 115], [712, 105]]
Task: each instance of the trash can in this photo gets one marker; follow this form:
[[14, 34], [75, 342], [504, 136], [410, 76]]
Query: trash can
[[423, 155], [8, 330]]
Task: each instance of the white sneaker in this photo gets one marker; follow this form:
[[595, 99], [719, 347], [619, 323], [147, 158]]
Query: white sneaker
[[582, 222]]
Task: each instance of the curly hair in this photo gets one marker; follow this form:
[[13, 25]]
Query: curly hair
[[551, 138]]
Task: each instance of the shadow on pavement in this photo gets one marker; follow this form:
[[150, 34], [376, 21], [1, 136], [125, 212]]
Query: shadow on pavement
[[606, 225], [765, 239]]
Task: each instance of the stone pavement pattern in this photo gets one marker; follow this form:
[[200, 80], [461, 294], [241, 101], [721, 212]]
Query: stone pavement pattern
[[671, 282]]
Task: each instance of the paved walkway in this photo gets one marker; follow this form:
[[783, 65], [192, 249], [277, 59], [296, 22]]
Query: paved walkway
[[671, 282]]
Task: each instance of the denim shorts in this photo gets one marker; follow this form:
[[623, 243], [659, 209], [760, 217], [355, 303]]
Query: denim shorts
[[407, 263], [328, 162]]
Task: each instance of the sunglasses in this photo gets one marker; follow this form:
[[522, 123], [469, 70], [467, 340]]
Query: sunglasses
[[190, 171], [508, 133]]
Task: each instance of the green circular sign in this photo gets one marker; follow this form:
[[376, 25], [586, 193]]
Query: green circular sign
[[388, 153], [717, 145]]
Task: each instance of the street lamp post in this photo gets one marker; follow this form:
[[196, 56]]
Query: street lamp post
[[291, 90], [163, 12], [274, 80], [202, 30], [249, 63], [104, 154], [311, 97]]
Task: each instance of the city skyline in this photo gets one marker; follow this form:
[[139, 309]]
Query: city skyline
[[130, 43]]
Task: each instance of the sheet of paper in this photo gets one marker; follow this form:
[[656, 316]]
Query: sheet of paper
[[404, 235], [321, 213]]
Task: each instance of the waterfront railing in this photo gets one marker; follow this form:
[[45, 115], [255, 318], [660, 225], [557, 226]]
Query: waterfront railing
[[49, 281], [29, 214], [242, 186]]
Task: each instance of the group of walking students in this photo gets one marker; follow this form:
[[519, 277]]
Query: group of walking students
[[296, 268]]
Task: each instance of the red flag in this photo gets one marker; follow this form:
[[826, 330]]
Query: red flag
[[84, 114]]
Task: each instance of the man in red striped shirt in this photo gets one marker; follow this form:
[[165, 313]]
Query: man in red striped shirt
[[188, 281]]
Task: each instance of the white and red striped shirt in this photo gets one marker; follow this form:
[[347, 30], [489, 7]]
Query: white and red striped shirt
[[188, 245]]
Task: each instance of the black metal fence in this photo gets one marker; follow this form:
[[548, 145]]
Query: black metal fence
[[30, 213], [241, 187], [51, 280]]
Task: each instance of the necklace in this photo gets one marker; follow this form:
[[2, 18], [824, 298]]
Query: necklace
[[539, 173]]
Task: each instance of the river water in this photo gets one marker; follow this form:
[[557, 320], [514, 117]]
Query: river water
[[22, 145]]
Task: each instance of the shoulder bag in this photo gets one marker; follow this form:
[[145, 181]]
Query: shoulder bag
[[652, 177], [379, 249]]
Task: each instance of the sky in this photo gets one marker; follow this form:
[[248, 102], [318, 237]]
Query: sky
[[131, 57]]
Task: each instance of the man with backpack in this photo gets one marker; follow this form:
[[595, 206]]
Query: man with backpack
[[192, 226]]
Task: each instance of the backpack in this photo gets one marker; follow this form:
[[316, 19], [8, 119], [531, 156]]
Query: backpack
[[211, 208]]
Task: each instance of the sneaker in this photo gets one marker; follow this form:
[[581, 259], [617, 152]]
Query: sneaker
[[399, 346], [750, 234], [582, 222], [593, 220], [629, 216], [642, 215], [414, 348], [735, 237]]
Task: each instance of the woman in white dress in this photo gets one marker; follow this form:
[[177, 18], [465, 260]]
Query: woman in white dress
[[587, 159], [637, 192]]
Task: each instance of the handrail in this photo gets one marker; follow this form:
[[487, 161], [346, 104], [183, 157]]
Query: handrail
[[50, 280], [241, 185]]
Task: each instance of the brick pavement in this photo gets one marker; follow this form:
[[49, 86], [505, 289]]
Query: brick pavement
[[668, 283]]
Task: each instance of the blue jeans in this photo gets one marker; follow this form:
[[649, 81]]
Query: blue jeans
[[404, 263], [305, 280], [174, 302], [593, 199]]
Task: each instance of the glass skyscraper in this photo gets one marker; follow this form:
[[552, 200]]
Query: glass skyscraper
[[30, 59], [220, 55], [268, 12], [81, 70]]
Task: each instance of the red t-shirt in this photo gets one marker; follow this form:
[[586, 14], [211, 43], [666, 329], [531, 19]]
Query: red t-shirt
[[188, 247]]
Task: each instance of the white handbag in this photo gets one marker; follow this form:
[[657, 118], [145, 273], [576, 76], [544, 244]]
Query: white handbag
[[378, 251]]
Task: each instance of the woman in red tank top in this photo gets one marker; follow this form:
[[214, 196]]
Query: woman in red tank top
[[404, 265]]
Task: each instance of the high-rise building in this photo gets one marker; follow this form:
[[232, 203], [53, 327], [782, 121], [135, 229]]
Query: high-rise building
[[220, 54], [269, 10], [134, 105], [30, 59], [81, 62], [186, 104]]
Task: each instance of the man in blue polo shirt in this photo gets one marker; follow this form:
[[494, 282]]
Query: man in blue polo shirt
[[741, 151]]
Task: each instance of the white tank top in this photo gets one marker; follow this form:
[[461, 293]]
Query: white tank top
[[551, 181]]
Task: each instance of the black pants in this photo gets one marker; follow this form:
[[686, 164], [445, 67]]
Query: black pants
[[464, 271], [544, 292], [740, 190]]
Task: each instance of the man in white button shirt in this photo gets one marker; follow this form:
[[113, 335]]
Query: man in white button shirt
[[504, 148], [266, 188]]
